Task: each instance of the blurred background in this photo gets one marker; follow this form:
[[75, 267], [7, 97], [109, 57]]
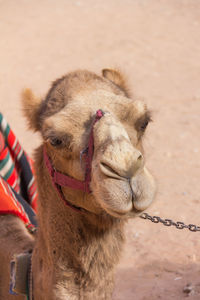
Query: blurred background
[[156, 44]]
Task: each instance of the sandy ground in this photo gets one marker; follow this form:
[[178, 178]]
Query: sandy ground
[[157, 45]]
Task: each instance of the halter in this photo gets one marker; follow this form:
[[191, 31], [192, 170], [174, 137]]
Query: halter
[[59, 179]]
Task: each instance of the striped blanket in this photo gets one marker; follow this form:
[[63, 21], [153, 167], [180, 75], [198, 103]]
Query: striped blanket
[[18, 193]]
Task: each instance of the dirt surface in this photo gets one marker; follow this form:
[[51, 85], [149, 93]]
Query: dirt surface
[[157, 45]]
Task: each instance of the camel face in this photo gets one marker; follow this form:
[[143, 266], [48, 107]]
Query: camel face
[[120, 183]]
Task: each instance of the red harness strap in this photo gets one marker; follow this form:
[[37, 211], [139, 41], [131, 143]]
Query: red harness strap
[[60, 179]]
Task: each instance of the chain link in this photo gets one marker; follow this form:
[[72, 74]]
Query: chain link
[[169, 222]]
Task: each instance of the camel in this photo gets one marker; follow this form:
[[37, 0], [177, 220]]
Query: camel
[[80, 235]]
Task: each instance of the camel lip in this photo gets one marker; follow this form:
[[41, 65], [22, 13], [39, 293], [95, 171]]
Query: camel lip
[[141, 206], [133, 195], [134, 201], [137, 211], [133, 212], [126, 214], [118, 213]]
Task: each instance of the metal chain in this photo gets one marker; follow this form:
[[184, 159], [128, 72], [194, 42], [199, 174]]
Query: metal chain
[[168, 222]]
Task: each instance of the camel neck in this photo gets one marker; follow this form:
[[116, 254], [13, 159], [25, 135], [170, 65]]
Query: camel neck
[[77, 258], [77, 252], [79, 264]]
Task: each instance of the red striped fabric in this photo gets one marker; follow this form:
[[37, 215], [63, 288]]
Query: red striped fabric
[[16, 168]]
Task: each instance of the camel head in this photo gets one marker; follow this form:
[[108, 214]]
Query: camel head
[[120, 185]]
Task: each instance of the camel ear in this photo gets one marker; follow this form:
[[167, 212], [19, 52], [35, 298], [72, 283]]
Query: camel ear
[[117, 78], [31, 108]]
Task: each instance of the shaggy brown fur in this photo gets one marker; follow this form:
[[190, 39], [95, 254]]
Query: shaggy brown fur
[[75, 254]]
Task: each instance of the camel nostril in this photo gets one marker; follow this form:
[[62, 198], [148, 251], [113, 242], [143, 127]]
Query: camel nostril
[[139, 162], [107, 170]]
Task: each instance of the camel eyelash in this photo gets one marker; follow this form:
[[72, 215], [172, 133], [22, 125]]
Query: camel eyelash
[[143, 122]]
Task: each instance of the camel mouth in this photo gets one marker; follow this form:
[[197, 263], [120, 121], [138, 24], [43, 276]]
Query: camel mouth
[[124, 214], [124, 197], [134, 210]]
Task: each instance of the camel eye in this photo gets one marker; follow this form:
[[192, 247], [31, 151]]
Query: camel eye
[[55, 142], [144, 125], [141, 123]]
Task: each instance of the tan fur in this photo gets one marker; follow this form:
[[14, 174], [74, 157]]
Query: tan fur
[[31, 105], [117, 78], [75, 254]]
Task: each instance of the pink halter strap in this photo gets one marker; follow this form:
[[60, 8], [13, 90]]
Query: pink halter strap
[[59, 179]]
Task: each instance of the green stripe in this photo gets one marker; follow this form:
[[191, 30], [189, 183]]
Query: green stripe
[[9, 173], [4, 161], [1, 118], [6, 132]]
